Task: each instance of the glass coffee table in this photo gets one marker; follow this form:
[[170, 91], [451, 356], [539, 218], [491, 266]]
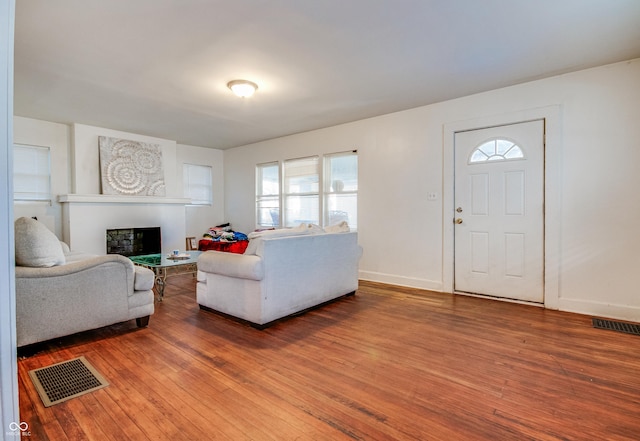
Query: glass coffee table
[[166, 265]]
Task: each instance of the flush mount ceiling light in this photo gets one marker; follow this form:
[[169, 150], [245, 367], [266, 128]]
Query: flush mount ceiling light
[[242, 88]]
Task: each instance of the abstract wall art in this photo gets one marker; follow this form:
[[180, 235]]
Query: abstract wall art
[[131, 167]]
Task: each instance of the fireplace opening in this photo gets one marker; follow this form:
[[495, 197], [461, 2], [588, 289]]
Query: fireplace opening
[[134, 241]]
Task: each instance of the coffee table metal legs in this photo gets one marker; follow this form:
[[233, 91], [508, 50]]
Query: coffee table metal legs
[[161, 277], [164, 272], [165, 267]]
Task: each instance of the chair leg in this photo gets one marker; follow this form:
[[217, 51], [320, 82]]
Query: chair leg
[[142, 322]]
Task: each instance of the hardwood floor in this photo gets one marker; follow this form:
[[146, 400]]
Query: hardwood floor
[[389, 363]]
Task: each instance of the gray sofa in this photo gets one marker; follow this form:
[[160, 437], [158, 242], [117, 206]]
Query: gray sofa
[[60, 292]]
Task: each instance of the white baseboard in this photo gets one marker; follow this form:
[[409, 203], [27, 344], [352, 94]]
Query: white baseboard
[[392, 279], [600, 309], [585, 307]]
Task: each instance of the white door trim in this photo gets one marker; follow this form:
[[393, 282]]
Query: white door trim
[[552, 189], [9, 406]]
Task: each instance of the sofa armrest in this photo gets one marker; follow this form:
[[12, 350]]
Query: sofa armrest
[[72, 267], [144, 278], [242, 266]]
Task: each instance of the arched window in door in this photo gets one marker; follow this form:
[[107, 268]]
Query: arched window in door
[[497, 149]]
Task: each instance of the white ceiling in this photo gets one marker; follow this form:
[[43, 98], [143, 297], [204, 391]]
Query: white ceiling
[[160, 67]]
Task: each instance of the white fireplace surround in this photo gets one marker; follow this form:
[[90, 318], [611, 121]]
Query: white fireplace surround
[[86, 218]]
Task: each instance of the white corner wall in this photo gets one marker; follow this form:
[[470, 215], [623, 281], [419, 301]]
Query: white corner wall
[[200, 218], [57, 138], [402, 158]]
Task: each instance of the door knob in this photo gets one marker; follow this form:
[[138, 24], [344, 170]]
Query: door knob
[[457, 221]]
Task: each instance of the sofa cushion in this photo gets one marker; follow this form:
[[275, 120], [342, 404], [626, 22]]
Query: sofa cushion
[[36, 245], [281, 232], [77, 256], [256, 236]]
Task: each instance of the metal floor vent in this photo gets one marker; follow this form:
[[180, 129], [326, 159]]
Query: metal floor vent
[[628, 328], [63, 381]]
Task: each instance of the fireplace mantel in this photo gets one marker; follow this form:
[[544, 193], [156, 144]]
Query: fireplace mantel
[[87, 217], [115, 199]]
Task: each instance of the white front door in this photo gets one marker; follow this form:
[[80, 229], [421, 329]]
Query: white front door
[[499, 211]]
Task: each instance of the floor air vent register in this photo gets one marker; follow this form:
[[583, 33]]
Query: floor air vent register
[[63, 381], [627, 328]]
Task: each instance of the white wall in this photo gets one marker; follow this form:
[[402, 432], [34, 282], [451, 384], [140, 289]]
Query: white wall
[[402, 157], [200, 218], [57, 138], [75, 169], [85, 159]]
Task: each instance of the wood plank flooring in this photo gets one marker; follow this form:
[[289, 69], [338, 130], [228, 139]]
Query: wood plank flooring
[[389, 363]]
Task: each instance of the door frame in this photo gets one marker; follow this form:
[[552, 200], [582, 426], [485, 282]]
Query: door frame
[[9, 404], [552, 192]]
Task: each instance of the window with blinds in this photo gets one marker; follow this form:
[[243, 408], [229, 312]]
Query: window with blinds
[[198, 184], [268, 195], [31, 173]]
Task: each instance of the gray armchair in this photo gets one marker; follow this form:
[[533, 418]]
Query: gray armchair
[[60, 292]]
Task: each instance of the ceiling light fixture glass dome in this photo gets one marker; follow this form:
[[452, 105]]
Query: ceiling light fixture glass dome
[[242, 88]]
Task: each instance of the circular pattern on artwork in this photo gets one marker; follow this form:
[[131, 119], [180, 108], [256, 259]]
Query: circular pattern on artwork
[[124, 177], [147, 161], [131, 167], [122, 148], [156, 189]]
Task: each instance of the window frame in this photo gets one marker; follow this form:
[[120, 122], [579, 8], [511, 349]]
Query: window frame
[[286, 195], [261, 196], [496, 157], [322, 194], [328, 184]]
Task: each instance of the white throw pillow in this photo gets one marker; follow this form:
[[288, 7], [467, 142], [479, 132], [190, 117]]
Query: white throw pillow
[[36, 245], [253, 246], [312, 228], [340, 227], [282, 232]]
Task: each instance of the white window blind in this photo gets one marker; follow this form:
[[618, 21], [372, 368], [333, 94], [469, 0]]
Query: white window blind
[[31, 173], [198, 184]]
